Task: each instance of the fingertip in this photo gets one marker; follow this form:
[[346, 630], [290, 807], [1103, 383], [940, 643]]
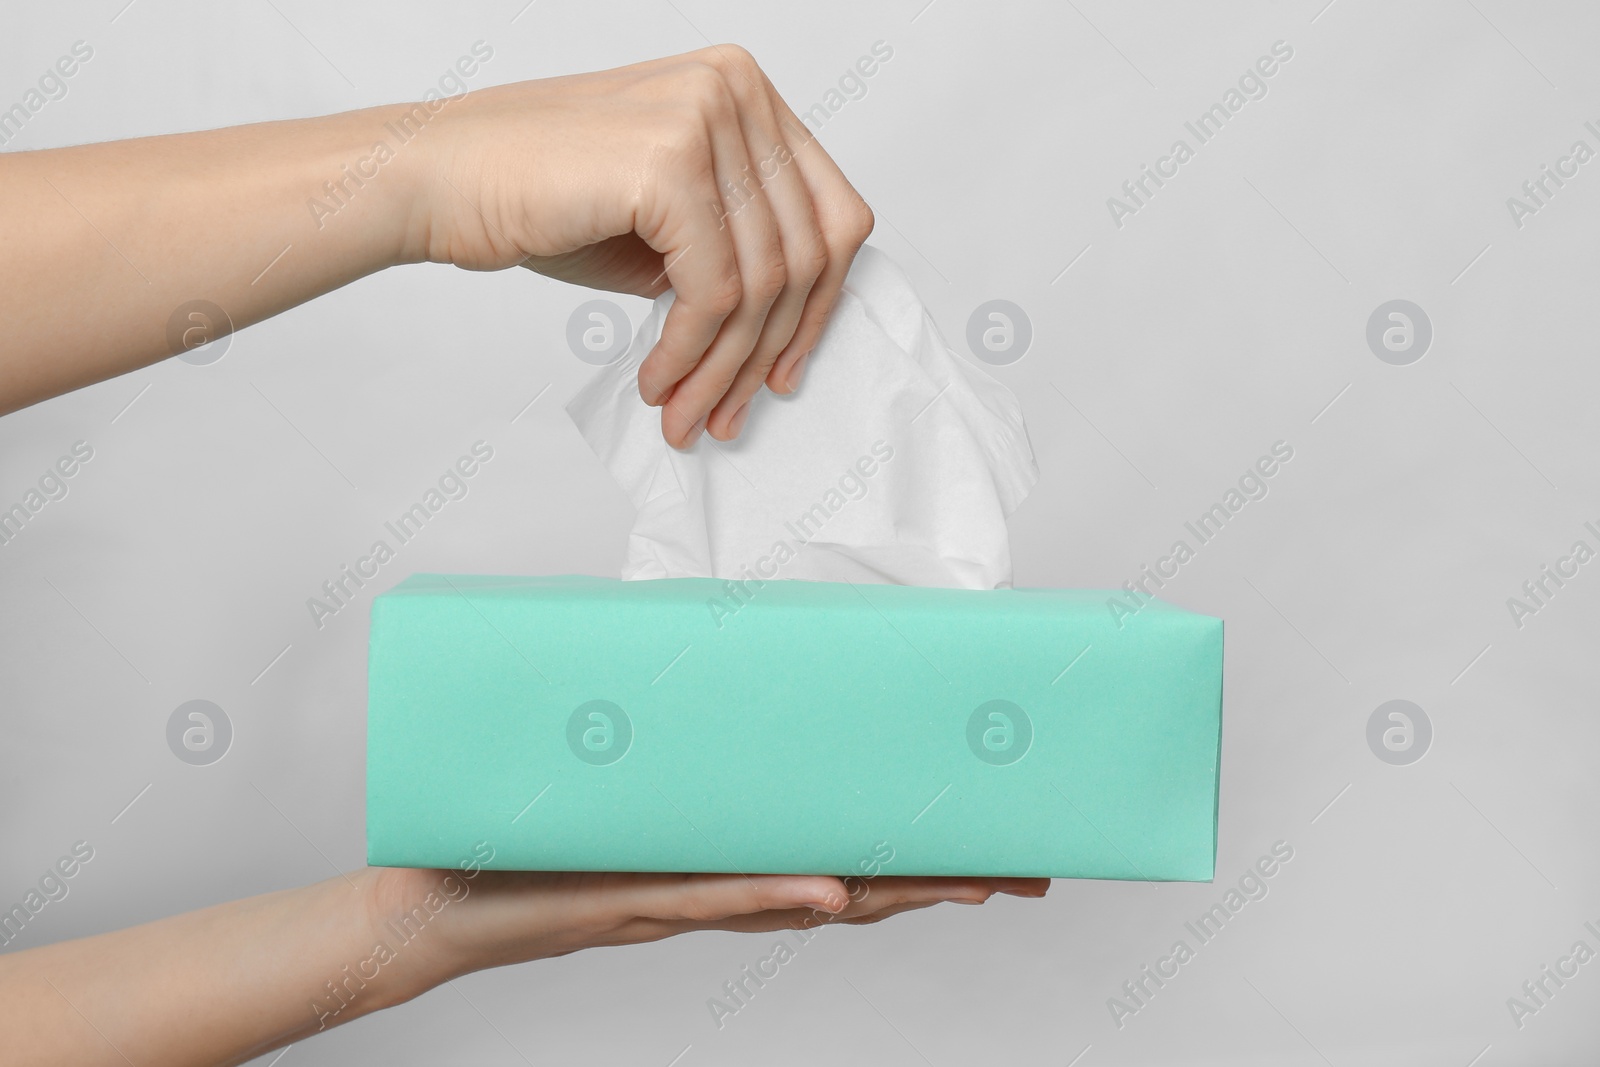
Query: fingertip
[[792, 381], [726, 429], [784, 378], [736, 424], [825, 895], [652, 394], [679, 428], [689, 437]]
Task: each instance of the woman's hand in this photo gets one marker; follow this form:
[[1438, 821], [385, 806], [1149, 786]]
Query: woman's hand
[[435, 925], [493, 918], [234, 981], [688, 172]]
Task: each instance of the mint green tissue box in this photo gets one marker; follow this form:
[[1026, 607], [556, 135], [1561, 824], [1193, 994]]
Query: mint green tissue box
[[692, 724]]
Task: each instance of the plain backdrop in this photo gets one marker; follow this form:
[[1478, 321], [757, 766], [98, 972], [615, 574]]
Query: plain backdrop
[[1229, 312]]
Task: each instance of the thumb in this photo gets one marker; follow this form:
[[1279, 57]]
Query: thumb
[[713, 897]]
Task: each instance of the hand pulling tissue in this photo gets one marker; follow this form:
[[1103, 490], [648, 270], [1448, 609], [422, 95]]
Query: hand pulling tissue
[[894, 462]]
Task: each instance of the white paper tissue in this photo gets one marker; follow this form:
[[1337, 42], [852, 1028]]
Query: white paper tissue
[[896, 461]]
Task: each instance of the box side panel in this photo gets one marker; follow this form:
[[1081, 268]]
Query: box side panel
[[616, 731]]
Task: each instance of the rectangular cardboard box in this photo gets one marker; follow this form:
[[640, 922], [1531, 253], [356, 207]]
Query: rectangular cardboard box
[[577, 723]]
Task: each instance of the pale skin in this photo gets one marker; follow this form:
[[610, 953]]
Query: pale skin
[[687, 173]]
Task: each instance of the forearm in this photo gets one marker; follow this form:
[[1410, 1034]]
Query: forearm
[[103, 243], [209, 987]]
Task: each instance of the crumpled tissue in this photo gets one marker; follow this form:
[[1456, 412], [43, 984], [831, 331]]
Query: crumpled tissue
[[896, 461]]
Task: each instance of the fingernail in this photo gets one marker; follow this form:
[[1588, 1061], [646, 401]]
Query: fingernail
[[736, 424], [1011, 885], [965, 900], [793, 381], [831, 907], [655, 399]]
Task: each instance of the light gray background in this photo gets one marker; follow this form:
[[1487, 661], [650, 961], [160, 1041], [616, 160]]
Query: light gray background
[[1226, 315]]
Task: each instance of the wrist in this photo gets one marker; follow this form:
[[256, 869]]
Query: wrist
[[365, 185], [414, 140], [409, 136], [402, 912]]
